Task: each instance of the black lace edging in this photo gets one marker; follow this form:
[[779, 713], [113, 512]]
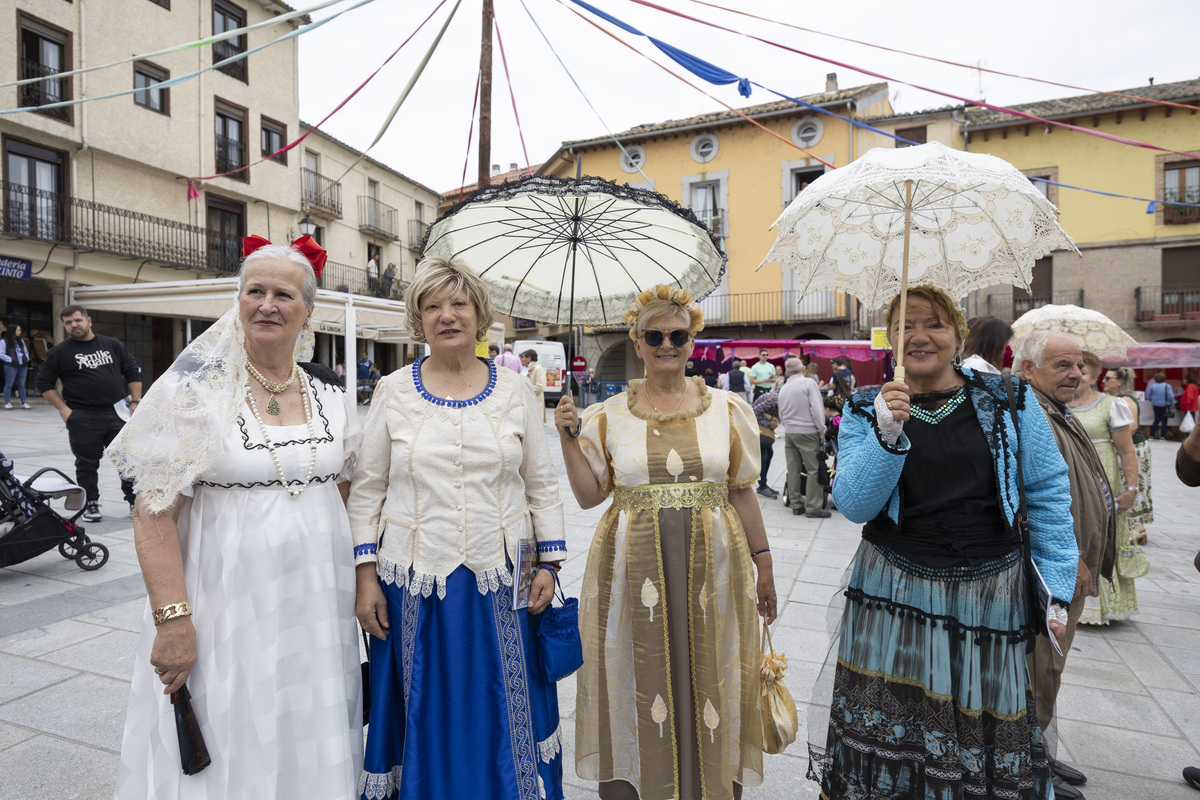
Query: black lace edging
[[265, 484], [320, 407], [982, 633], [588, 184]]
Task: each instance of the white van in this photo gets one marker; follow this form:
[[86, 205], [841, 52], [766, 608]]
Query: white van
[[551, 355]]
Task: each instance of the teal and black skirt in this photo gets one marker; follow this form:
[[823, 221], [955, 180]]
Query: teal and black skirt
[[931, 697]]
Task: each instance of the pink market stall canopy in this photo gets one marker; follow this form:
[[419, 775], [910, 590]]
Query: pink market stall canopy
[[747, 349], [870, 367], [1159, 355]]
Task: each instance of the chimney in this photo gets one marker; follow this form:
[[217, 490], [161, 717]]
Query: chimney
[[831, 82], [512, 167], [495, 170]]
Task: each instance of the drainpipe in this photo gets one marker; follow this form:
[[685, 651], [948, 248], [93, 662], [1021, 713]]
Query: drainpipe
[[963, 124], [83, 107], [850, 106]]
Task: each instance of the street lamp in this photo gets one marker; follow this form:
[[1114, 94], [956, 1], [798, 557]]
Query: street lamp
[[307, 226]]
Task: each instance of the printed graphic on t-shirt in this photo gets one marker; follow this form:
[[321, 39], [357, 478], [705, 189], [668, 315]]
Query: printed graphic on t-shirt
[[93, 360]]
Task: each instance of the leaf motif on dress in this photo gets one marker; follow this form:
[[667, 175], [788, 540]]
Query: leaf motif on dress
[[674, 464], [711, 719], [649, 597], [703, 600], [658, 713]]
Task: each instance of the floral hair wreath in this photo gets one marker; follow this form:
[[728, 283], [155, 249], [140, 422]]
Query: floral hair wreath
[[680, 297]]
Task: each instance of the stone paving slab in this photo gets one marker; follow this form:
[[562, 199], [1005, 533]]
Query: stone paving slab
[[1129, 712]]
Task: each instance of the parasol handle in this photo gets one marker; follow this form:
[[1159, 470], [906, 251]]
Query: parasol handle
[[908, 191], [574, 434]]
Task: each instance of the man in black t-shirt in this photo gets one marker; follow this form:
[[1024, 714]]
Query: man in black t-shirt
[[93, 371]]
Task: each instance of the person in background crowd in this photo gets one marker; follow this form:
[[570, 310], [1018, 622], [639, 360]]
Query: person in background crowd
[[1119, 383], [737, 380], [14, 352], [833, 421], [780, 379], [746, 371], [843, 378], [507, 359], [766, 411], [453, 480], [589, 388], [340, 369], [364, 366], [373, 275], [1109, 423], [91, 368], [389, 275], [984, 349], [493, 352], [537, 376], [668, 696], [1189, 398], [803, 420], [710, 380], [1052, 363], [241, 455], [1161, 396], [1187, 468], [930, 689], [762, 375]]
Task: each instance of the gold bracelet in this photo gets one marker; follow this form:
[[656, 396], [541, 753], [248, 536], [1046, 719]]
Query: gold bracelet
[[171, 612]]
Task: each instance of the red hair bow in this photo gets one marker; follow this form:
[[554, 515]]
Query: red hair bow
[[307, 245]]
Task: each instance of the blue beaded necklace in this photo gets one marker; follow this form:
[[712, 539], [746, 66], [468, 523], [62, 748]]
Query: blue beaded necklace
[[442, 401], [942, 411]]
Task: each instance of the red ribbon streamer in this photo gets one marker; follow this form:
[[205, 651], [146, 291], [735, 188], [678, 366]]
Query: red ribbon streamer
[[470, 135], [307, 245], [511, 94]]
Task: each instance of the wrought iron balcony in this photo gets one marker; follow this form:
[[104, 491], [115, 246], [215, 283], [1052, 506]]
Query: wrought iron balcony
[[753, 308], [228, 49], [378, 218], [346, 278], [51, 90], [1181, 215], [231, 154], [1167, 304], [322, 194], [416, 233], [1008, 308], [29, 213], [713, 219]]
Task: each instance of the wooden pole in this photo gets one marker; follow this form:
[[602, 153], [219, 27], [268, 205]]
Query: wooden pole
[[485, 98], [899, 345]]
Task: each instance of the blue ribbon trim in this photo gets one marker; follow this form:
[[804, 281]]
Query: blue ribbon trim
[[364, 550]]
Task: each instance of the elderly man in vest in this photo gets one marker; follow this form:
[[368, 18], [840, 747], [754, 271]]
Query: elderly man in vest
[[1053, 364]]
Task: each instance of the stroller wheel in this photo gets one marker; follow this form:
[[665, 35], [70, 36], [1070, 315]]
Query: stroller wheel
[[66, 549], [92, 555]]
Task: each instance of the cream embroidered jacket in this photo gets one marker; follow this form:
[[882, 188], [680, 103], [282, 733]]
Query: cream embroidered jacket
[[442, 485]]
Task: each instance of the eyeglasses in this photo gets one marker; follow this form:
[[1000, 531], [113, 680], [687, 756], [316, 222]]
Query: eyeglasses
[[1111, 378], [679, 337]]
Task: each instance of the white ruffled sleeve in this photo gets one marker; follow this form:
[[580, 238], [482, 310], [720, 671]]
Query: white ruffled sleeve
[[1119, 414]]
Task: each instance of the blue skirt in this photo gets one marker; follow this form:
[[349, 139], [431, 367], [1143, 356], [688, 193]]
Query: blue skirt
[[931, 696], [458, 706]]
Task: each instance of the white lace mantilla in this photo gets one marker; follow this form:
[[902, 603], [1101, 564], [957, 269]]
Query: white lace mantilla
[[374, 786], [424, 584], [179, 428]]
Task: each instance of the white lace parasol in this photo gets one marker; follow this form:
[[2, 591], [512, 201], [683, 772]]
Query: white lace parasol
[[1093, 330], [976, 222]]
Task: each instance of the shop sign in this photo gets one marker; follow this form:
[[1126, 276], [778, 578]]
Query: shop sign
[[15, 268]]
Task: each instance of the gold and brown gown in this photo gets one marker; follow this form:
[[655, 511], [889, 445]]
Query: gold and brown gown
[[668, 693]]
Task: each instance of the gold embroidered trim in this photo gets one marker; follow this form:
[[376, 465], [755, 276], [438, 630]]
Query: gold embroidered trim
[[671, 495]]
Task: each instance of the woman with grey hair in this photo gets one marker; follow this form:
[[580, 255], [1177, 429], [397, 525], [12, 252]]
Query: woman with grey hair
[[453, 486], [240, 455]]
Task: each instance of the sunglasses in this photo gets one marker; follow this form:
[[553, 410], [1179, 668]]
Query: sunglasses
[[678, 337]]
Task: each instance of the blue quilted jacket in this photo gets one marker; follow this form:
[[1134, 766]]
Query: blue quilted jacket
[[868, 471]]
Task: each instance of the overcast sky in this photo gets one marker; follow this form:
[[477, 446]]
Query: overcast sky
[[1099, 44]]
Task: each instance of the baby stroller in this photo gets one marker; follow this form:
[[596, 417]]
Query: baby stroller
[[30, 527]]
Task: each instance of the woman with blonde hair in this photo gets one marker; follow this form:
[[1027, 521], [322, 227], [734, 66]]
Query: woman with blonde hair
[[453, 483], [667, 704]]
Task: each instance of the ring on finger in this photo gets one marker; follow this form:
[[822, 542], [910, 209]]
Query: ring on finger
[[889, 405]]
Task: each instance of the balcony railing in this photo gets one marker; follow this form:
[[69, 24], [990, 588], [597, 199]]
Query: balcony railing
[[771, 307], [1008, 308], [713, 219], [378, 218], [322, 194], [231, 154], [1168, 303], [51, 90], [227, 49], [346, 278], [1181, 215], [416, 233], [29, 213]]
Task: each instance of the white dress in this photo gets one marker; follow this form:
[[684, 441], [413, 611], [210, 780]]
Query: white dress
[[276, 686]]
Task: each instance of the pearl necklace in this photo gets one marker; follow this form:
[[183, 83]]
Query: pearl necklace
[[312, 441], [272, 387]]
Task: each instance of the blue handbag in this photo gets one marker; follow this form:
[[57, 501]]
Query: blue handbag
[[559, 647]]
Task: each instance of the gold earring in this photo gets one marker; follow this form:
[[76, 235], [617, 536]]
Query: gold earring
[[308, 325]]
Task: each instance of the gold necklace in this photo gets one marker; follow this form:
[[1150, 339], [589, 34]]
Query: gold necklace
[[271, 386], [677, 405]]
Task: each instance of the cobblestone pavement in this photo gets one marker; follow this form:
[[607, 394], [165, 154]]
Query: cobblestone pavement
[[1129, 709]]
